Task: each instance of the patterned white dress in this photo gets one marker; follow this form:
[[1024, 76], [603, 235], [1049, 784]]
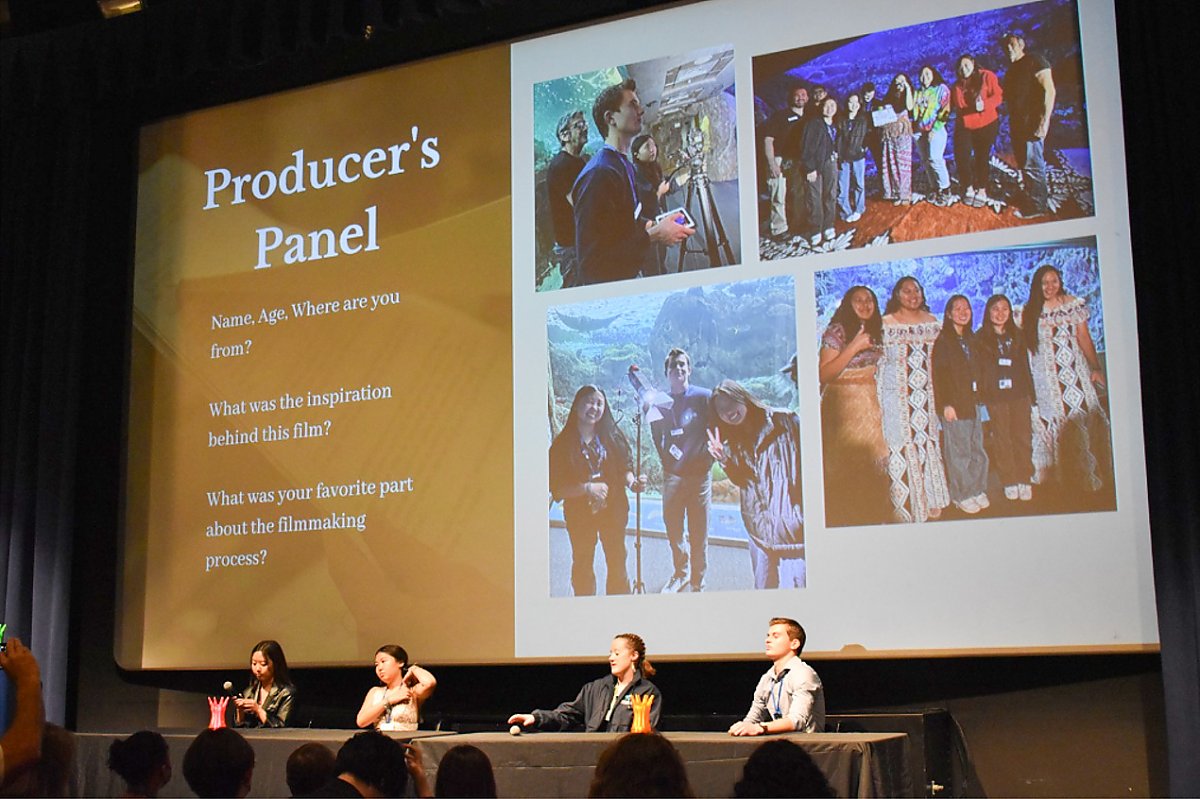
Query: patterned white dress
[[910, 422], [1071, 430], [404, 716]]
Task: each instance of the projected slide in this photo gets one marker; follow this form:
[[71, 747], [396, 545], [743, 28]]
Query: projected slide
[[629, 328], [649, 350], [321, 407], [1040, 374], [912, 102], [684, 159]]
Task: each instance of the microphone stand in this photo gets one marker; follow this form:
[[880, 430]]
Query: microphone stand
[[639, 587]]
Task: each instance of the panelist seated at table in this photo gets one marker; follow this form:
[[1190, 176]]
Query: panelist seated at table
[[606, 704], [396, 705], [270, 696], [789, 697]]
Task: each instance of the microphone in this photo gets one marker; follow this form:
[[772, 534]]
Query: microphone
[[228, 686]]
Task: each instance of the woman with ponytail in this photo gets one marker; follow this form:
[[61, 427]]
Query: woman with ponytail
[[606, 704]]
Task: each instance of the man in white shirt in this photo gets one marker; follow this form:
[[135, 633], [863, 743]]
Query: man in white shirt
[[789, 697]]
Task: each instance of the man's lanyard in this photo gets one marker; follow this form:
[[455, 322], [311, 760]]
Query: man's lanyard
[[778, 695]]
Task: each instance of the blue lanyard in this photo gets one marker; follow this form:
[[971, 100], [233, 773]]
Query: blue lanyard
[[779, 694]]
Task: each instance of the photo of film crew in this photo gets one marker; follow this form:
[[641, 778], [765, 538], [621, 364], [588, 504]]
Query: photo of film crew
[[964, 385], [960, 125], [635, 171], [674, 442]]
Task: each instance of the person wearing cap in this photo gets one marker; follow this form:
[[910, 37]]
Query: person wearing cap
[[1029, 96], [564, 167]]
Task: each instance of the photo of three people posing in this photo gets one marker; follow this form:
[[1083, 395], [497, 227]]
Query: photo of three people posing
[[752, 446]]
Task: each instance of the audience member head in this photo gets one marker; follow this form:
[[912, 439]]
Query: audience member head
[[309, 767], [143, 761], [640, 765], [465, 771], [50, 774], [219, 763], [781, 768], [373, 763]]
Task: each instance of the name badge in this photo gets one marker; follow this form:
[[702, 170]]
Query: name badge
[[678, 431], [676, 452], [1005, 384], [1005, 361]]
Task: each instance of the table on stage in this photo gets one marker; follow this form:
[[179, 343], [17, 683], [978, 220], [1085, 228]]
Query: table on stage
[[548, 764]]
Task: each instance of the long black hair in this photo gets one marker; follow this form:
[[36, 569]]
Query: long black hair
[[948, 330], [606, 429], [893, 303], [938, 80], [273, 652], [987, 330], [1033, 308], [398, 653], [895, 97], [851, 323], [974, 82], [136, 758]]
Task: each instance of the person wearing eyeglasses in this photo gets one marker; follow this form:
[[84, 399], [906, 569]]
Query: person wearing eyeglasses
[[564, 167]]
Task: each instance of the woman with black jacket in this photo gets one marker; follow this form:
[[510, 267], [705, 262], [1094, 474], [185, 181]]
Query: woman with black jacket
[[590, 470], [956, 387], [1007, 388], [852, 159]]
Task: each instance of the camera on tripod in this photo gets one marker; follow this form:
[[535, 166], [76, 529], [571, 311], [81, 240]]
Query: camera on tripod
[[700, 203]]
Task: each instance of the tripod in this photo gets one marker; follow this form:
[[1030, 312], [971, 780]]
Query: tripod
[[716, 242]]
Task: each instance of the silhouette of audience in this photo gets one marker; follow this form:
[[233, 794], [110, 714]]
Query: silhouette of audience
[[368, 764], [309, 767], [465, 772], [143, 761], [640, 765], [781, 768], [219, 763]]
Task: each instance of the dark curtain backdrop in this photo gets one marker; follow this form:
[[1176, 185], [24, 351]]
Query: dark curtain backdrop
[[70, 106]]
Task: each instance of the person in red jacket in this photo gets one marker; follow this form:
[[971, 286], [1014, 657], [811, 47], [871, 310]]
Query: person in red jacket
[[975, 99]]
